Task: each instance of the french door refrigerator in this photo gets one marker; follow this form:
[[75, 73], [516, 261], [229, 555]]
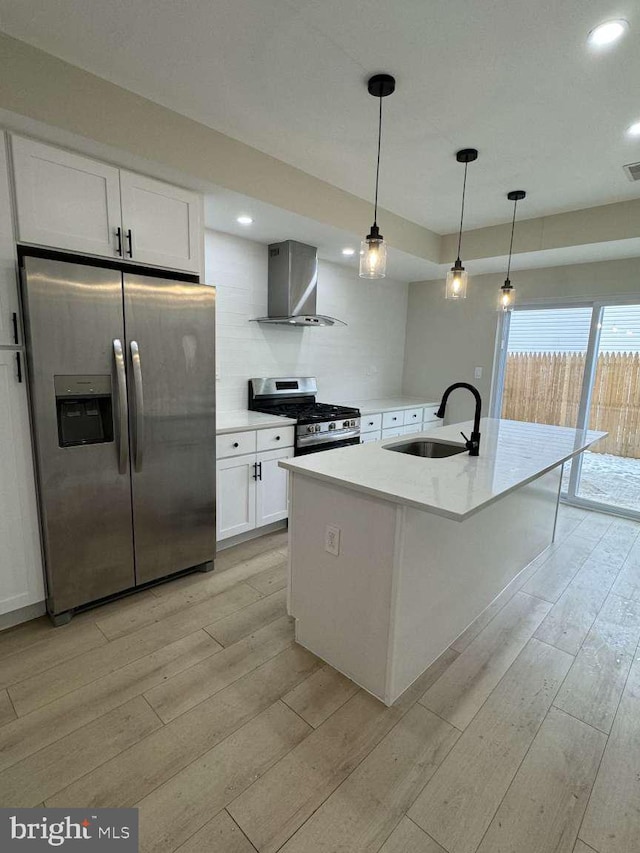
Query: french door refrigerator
[[122, 390]]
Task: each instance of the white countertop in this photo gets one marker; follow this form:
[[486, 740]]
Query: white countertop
[[389, 404], [243, 420], [512, 453]]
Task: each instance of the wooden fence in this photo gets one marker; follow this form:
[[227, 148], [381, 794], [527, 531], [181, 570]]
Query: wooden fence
[[546, 387]]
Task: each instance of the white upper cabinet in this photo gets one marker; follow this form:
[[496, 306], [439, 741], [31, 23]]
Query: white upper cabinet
[[9, 329], [21, 581], [161, 223], [65, 200]]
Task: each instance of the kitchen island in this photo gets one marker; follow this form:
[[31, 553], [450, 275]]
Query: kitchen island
[[393, 555]]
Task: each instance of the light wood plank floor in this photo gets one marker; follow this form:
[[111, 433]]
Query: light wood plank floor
[[193, 703]]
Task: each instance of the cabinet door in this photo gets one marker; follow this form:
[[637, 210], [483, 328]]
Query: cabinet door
[[161, 223], [392, 433], [412, 428], [8, 274], [65, 200], [21, 581], [273, 487], [235, 496]]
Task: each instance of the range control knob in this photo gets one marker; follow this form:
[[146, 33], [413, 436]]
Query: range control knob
[[332, 425], [310, 429]]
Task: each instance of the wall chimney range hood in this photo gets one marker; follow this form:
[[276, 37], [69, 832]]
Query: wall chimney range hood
[[293, 284]]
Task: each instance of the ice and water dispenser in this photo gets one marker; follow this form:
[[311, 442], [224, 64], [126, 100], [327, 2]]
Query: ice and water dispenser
[[84, 409]]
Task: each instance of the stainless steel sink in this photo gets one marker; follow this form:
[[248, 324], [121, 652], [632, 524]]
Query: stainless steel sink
[[427, 449]]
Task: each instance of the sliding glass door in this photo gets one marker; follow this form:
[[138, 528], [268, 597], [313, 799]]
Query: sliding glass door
[[577, 366], [610, 473]]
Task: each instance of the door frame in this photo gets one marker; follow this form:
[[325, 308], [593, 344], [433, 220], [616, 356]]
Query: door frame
[[597, 306]]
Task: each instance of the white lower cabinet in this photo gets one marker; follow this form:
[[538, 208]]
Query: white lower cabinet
[[236, 495], [21, 580], [392, 433], [272, 487], [366, 437], [251, 490], [384, 425]]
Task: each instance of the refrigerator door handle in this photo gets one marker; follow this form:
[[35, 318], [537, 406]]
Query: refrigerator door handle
[[139, 413], [123, 415]]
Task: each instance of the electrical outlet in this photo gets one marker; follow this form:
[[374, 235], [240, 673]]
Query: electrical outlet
[[332, 539], [477, 373]]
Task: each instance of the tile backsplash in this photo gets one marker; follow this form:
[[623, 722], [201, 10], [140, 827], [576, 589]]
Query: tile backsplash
[[360, 361]]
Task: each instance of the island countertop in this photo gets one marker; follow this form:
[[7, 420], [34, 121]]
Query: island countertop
[[512, 453]]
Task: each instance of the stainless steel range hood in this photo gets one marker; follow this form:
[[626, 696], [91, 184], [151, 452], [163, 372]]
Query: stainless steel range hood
[[293, 283]]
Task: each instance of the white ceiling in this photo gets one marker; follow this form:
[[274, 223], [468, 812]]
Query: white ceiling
[[513, 78], [273, 224]]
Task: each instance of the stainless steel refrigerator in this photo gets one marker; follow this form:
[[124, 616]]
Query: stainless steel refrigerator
[[122, 389]]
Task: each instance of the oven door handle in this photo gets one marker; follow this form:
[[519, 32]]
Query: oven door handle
[[328, 437]]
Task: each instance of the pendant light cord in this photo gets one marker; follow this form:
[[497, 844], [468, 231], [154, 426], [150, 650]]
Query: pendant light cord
[[513, 225], [464, 189], [375, 206]]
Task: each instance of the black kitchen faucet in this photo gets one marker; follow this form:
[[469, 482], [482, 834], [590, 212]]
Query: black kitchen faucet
[[473, 443]]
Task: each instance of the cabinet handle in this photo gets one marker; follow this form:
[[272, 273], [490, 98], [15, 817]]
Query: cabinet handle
[[19, 365], [255, 470], [370, 423], [235, 444], [394, 419], [130, 243], [119, 239], [14, 321], [277, 439], [259, 471]]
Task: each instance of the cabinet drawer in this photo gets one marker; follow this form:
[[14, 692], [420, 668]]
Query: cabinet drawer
[[235, 444], [366, 437], [430, 413], [274, 439], [370, 423], [393, 432], [412, 416], [391, 420]]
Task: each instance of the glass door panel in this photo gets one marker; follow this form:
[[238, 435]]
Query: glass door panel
[[610, 473], [545, 367]]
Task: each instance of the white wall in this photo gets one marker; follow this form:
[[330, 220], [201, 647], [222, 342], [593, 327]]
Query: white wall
[[446, 340], [361, 361]]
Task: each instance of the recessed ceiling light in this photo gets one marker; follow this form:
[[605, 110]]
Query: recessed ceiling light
[[244, 220], [348, 251], [608, 32], [634, 129]]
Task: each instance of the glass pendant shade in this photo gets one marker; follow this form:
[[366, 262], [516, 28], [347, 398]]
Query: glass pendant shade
[[507, 297], [457, 280], [373, 249], [373, 257], [458, 277]]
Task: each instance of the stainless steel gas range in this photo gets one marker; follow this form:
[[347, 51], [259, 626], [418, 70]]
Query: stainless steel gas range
[[320, 426]]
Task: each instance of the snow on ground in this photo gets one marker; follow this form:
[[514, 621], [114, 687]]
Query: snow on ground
[[609, 479]]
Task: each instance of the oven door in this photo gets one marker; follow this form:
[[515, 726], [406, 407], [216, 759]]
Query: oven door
[[328, 445]]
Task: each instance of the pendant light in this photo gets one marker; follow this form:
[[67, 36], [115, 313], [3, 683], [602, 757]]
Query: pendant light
[[373, 249], [458, 277], [507, 291]]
